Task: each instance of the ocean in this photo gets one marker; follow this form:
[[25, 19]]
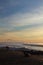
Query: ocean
[[35, 46]]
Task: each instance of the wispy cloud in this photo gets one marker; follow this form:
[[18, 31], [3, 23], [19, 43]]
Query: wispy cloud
[[19, 16], [21, 21]]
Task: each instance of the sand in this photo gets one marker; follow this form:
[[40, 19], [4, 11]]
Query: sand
[[18, 58]]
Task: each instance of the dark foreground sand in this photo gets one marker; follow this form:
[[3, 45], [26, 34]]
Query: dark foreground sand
[[18, 58]]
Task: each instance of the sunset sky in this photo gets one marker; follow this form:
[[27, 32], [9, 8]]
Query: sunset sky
[[21, 20]]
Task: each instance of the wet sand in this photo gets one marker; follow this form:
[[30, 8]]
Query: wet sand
[[18, 58]]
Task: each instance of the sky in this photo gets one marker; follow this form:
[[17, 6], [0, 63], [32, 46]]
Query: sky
[[21, 20]]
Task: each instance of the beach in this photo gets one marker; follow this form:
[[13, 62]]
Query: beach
[[8, 57]]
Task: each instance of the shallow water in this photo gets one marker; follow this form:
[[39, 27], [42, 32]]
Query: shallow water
[[34, 48], [21, 45]]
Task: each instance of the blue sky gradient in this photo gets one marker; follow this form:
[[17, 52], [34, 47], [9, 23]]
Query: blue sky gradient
[[19, 15], [9, 7]]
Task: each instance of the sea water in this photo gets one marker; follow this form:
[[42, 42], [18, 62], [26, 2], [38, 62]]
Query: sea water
[[34, 48], [20, 45]]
